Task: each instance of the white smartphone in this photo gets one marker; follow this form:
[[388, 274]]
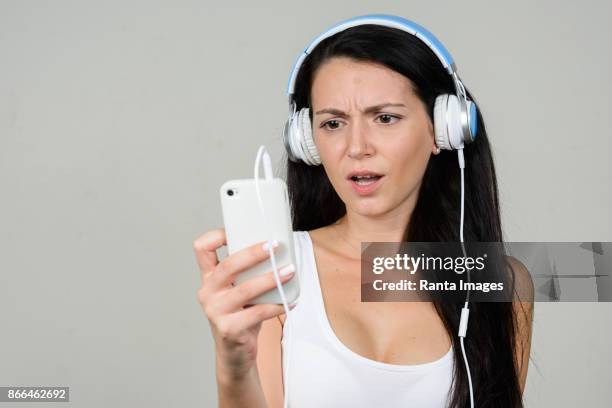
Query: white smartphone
[[245, 226]]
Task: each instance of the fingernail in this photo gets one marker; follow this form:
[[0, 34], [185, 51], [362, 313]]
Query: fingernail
[[287, 270], [265, 246]]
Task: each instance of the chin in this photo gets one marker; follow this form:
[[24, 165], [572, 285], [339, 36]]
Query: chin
[[370, 206]]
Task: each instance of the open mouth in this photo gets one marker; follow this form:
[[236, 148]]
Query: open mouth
[[365, 184], [365, 180]]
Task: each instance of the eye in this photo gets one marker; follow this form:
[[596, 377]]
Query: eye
[[332, 122], [387, 117]]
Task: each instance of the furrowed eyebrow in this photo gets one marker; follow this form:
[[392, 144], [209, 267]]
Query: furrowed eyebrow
[[370, 109]]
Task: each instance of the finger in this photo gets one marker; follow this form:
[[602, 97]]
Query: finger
[[205, 248], [240, 261], [236, 297], [249, 317]]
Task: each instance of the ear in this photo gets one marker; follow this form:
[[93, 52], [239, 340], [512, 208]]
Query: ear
[[434, 148]]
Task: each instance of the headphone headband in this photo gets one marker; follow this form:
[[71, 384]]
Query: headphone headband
[[384, 20]]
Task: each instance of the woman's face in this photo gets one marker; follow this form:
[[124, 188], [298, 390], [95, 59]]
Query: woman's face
[[353, 130]]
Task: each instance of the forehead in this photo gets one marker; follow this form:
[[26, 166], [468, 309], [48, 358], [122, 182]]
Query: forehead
[[342, 78]]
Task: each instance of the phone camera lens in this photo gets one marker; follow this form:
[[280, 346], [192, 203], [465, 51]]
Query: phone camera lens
[[230, 192]]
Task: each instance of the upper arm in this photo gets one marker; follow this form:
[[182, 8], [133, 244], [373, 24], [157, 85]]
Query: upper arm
[[523, 315], [269, 361]]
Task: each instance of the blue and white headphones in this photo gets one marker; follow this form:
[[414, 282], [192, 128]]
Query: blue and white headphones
[[455, 120]]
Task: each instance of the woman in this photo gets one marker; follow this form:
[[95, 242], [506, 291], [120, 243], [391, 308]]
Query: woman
[[347, 352]]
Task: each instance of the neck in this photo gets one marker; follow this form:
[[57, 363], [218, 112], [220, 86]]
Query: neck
[[387, 227]]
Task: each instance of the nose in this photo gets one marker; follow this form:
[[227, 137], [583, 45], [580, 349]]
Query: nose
[[358, 142]]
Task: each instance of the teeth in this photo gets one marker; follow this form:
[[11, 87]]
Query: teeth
[[364, 181]]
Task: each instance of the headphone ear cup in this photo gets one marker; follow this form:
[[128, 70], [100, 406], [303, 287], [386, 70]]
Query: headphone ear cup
[[447, 111], [440, 124], [310, 146], [472, 119], [298, 138], [453, 119], [288, 139], [299, 124], [292, 137]]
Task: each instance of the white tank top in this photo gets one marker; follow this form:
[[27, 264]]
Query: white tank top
[[326, 373]]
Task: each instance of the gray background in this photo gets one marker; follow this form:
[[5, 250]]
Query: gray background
[[119, 120]]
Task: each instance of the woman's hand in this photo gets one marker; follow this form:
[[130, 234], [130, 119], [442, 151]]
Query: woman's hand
[[235, 327]]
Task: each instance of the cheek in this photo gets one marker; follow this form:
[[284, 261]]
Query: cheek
[[409, 159], [332, 154], [328, 147]]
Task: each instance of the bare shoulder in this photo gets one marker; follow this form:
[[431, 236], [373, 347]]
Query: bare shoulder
[[523, 315], [523, 291], [522, 280]]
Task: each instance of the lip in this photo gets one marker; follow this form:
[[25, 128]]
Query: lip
[[362, 172], [368, 189]]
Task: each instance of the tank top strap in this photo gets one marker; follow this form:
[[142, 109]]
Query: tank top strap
[[303, 268]]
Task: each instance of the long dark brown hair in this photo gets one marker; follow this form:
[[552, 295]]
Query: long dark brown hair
[[490, 345]]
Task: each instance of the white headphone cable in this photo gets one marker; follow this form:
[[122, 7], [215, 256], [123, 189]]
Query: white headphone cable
[[465, 312], [262, 152]]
